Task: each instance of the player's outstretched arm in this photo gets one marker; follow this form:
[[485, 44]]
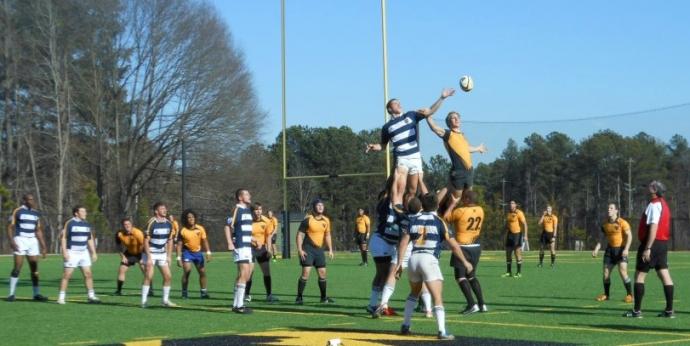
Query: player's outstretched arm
[[478, 149], [446, 93], [434, 127]]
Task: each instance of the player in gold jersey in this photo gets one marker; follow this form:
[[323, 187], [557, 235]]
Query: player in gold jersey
[[515, 220], [617, 232], [467, 221], [362, 231], [132, 241], [549, 224], [461, 175]]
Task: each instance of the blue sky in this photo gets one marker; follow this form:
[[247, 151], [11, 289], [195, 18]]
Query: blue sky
[[537, 60]]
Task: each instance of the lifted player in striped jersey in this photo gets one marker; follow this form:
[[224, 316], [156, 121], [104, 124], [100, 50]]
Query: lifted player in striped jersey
[[617, 231], [158, 251], [25, 233], [238, 233], [78, 250], [191, 239], [402, 132], [427, 232]]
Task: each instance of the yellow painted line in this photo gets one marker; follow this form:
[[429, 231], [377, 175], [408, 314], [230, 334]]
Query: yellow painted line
[[145, 343], [342, 324], [659, 342], [220, 332], [79, 342], [279, 328], [591, 306], [598, 330]]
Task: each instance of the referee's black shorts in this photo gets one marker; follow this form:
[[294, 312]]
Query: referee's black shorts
[[658, 256]]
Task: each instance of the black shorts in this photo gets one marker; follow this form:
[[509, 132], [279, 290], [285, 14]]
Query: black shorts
[[260, 255], [513, 240], [314, 258], [472, 254], [360, 238], [131, 259], [613, 256], [383, 259], [461, 179], [658, 257], [546, 238]]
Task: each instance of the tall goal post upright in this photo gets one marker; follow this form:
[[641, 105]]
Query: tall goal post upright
[[285, 214]]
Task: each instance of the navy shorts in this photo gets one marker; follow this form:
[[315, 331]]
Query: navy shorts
[[193, 257]]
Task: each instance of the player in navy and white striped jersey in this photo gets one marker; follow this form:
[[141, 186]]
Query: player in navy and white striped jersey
[[158, 246], [78, 250], [426, 233], [238, 233], [402, 131], [25, 233]]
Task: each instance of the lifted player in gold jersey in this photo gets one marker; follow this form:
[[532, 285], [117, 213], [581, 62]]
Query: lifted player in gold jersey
[[617, 232]]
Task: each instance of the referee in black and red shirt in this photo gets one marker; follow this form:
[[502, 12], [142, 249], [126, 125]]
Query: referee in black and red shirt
[[654, 231]]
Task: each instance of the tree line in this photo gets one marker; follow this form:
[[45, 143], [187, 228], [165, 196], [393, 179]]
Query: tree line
[[117, 104], [99, 97]]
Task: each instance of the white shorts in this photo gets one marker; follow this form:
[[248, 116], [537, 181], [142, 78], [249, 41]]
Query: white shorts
[[380, 248], [424, 267], [243, 254], [78, 259], [406, 258], [413, 164], [27, 246], [159, 258]]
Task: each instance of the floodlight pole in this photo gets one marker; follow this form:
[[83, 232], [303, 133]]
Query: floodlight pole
[[286, 219], [385, 78]]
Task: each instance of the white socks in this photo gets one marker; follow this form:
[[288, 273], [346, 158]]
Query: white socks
[[387, 294], [144, 293], [410, 304], [440, 318], [13, 284], [426, 299], [166, 293], [92, 294], [239, 296], [61, 296]]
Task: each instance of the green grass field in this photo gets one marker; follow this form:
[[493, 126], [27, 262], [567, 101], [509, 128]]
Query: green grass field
[[545, 305]]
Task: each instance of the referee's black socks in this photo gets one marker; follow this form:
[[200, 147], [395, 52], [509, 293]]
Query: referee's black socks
[[668, 293], [639, 294]]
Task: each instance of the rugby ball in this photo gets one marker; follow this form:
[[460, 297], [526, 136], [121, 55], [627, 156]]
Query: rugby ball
[[466, 83]]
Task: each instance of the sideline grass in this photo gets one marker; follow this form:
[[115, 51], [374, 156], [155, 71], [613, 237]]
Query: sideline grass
[[553, 306]]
